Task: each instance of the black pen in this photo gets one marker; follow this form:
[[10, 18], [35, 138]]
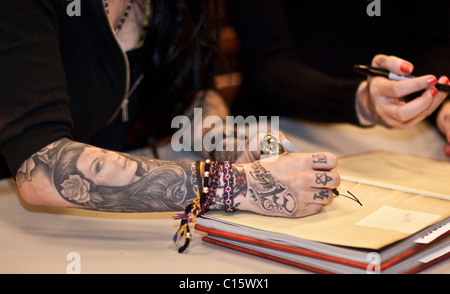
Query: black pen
[[372, 71], [289, 147]]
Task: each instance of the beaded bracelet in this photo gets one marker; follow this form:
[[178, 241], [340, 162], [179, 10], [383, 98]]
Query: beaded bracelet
[[228, 200], [206, 174], [215, 175]]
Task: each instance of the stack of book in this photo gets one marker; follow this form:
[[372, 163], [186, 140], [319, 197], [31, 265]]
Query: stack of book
[[403, 225]]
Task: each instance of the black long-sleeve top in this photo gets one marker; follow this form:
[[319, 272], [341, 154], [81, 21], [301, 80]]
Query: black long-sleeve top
[[64, 75], [60, 76], [297, 56]]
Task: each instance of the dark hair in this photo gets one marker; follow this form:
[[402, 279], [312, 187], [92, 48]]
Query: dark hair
[[158, 189], [179, 58], [161, 189]]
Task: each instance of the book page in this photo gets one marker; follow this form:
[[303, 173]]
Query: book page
[[340, 222], [398, 171], [337, 223], [401, 220]]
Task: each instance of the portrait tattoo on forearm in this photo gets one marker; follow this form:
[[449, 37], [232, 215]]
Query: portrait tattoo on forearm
[[270, 194], [99, 179]]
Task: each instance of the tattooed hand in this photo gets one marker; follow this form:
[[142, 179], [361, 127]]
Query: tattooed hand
[[67, 173], [295, 185]]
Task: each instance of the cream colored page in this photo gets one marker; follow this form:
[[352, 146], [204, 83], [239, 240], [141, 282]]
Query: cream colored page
[[398, 171], [337, 223], [402, 220]]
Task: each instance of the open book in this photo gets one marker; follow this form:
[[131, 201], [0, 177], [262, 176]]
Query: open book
[[404, 199]]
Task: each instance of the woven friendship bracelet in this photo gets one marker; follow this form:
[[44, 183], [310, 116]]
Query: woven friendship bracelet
[[191, 212], [199, 205], [208, 176]]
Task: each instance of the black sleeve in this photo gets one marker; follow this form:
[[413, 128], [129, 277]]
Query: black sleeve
[[274, 69], [34, 105]]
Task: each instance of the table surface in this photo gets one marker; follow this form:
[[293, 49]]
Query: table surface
[[41, 240]]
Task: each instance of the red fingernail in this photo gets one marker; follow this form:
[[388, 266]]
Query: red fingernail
[[447, 149], [432, 81], [445, 80], [406, 67], [434, 91]]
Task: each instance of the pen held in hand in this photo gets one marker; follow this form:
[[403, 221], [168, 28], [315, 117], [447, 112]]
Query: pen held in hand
[[289, 147], [372, 71]]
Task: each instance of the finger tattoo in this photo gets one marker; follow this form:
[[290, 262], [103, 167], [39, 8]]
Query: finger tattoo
[[323, 178], [319, 158], [324, 194]]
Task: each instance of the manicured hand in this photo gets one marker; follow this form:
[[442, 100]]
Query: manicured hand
[[379, 99]]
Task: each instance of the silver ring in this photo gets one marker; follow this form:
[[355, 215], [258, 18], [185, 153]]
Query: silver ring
[[270, 146]]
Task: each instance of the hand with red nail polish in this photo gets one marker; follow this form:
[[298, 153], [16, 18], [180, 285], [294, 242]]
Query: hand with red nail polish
[[379, 100]]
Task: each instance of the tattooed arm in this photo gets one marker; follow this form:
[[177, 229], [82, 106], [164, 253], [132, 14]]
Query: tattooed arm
[[68, 173], [72, 174]]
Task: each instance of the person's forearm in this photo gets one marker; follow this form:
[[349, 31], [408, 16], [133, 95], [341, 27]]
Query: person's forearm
[[68, 173], [211, 130], [71, 174]]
